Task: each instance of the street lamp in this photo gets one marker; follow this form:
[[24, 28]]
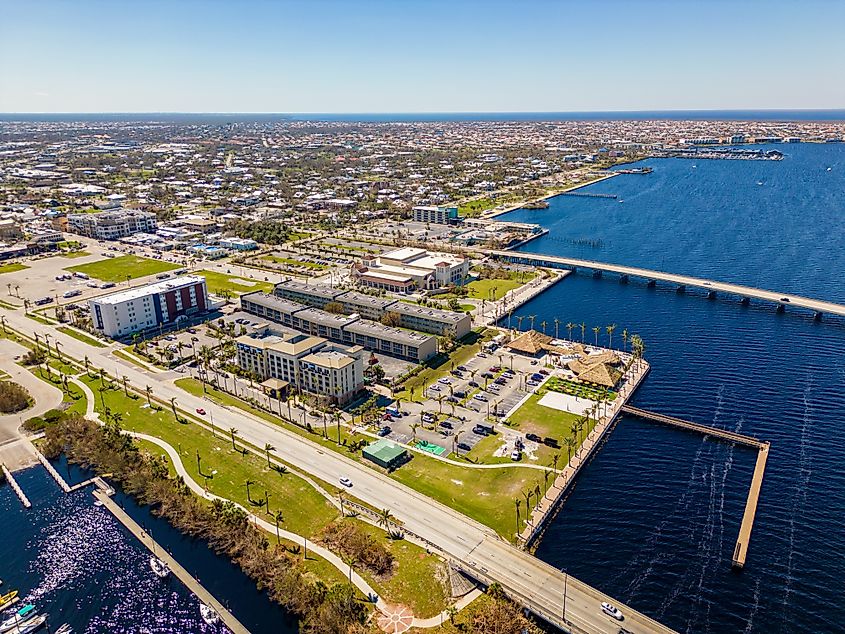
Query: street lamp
[[565, 582]]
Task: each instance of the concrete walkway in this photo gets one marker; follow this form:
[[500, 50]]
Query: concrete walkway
[[16, 452]]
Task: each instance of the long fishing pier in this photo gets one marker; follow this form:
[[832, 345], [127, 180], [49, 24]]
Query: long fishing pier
[[16, 487], [183, 575], [681, 282], [744, 537]]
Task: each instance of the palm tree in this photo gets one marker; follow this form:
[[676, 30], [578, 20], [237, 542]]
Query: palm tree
[[124, 379], [385, 517], [609, 329], [624, 340], [351, 560], [596, 331], [279, 517], [555, 459], [519, 319], [87, 363], [149, 392], [583, 330], [439, 400], [267, 449], [569, 327], [233, 432], [173, 407], [531, 318], [249, 483], [414, 428], [103, 378], [25, 305], [58, 352], [557, 325], [3, 322], [518, 504], [569, 441], [543, 326]]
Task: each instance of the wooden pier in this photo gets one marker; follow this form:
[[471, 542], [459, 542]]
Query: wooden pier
[[744, 537], [741, 439], [52, 471], [16, 487], [193, 585], [741, 548]]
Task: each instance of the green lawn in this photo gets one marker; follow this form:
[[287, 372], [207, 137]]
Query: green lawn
[[91, 341], [74, 254], [492, 289], [219, 282], [292, 262], [120, 268], [475, 207], [544, 421], [581, 390], [306, 511], [11, 267]]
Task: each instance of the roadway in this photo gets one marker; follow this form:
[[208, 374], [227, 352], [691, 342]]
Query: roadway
[[783, 299], [460, 538]]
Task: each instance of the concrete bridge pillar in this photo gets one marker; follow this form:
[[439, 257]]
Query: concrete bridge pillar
[[745, 301], [597, 274], [817, 316], [681, 289], [623, 279], [711, 295], [651, 283], [781, 309]]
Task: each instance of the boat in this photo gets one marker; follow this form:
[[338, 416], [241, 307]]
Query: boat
[[9, 598], [536, 204], [759, 182], [209, 615], [64, 629], [159, 567], [26, 612], [30, 625]]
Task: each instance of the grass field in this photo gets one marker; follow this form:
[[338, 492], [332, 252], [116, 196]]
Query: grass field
[[74, 254], [11, 267], [544, 421], [91, 341], [291, 262], [492, 289], [121, 268], [219, 282]]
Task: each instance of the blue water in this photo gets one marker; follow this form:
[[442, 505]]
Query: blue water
[[654, 518], [80, 566]]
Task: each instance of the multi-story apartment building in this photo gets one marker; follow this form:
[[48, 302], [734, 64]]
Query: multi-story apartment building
[[436, 215], [112, 225], [430, 320], [308, 363], [145, 307], [349, 330]]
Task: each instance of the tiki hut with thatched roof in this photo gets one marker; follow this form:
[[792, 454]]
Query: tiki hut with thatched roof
[[530, 343], [598, 369]]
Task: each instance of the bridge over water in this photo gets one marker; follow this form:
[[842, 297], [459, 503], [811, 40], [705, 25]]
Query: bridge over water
[[681, 282]]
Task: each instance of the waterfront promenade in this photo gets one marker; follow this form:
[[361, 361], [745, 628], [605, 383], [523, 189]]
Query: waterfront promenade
[[712, 287]]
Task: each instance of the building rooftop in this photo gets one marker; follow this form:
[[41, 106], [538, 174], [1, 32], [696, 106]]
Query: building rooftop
[[149, 289], [324, 318], [362, 299], [435, 314], [292, 345], [380, 331], [272, 302], [317, 290], [329, 359]]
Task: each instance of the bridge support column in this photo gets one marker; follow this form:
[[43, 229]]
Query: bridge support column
[[597, 275], [780, 309], [745, 301], [711, 295], [681, 289], [651, 284], [623, 279], [817, 316]]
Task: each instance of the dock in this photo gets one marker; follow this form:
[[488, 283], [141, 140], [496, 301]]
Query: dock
[[741, 439], [590, 195], [742, 541], [16, 487], [193, 585], [52, 471], [762, 447]]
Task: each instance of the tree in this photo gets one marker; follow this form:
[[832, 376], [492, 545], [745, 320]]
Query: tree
[[391, 318], [518, 504], [233, 432], [87, 362], [596, 331], [543, 326], [279, 518], [531, 318], [625, 340], [249, 483], [385, 517], [149, 391], [173, 407], [124, 379], [569, 441], [609, 329], [583, 330], [267, 449]]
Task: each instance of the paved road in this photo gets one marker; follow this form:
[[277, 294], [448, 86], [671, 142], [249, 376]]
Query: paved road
[[459, 537], [15, 451], [681, 280]]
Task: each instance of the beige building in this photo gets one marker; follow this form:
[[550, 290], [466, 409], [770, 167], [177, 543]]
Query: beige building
[[309, 363], [409, 268]]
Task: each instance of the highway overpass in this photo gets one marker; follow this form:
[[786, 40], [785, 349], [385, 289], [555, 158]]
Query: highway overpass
[[711, 287]]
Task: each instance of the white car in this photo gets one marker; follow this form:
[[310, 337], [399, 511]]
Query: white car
[[444, 381], [515, 455], [612, 610], [346, 482]]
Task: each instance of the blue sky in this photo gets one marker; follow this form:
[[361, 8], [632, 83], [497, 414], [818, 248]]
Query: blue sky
[[419, 56]]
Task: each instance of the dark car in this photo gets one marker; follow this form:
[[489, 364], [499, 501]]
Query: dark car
[[474, 383], [483, 430], [463, 368], [533, 438], [446, 424], [487, 375], [460, 393], [550, 442], [784, 299], [384, 431], [463, 446]]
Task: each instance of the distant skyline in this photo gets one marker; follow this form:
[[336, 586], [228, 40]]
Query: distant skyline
[[330, 56]]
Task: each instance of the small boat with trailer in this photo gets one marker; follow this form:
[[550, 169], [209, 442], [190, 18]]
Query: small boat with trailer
[[18, 618], [159, 567]]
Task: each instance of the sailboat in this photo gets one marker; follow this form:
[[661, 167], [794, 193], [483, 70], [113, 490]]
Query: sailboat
[[159, 567], [208, 614]]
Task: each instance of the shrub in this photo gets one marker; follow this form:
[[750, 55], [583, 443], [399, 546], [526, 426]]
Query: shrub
[[351, 540], [13, 398]]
